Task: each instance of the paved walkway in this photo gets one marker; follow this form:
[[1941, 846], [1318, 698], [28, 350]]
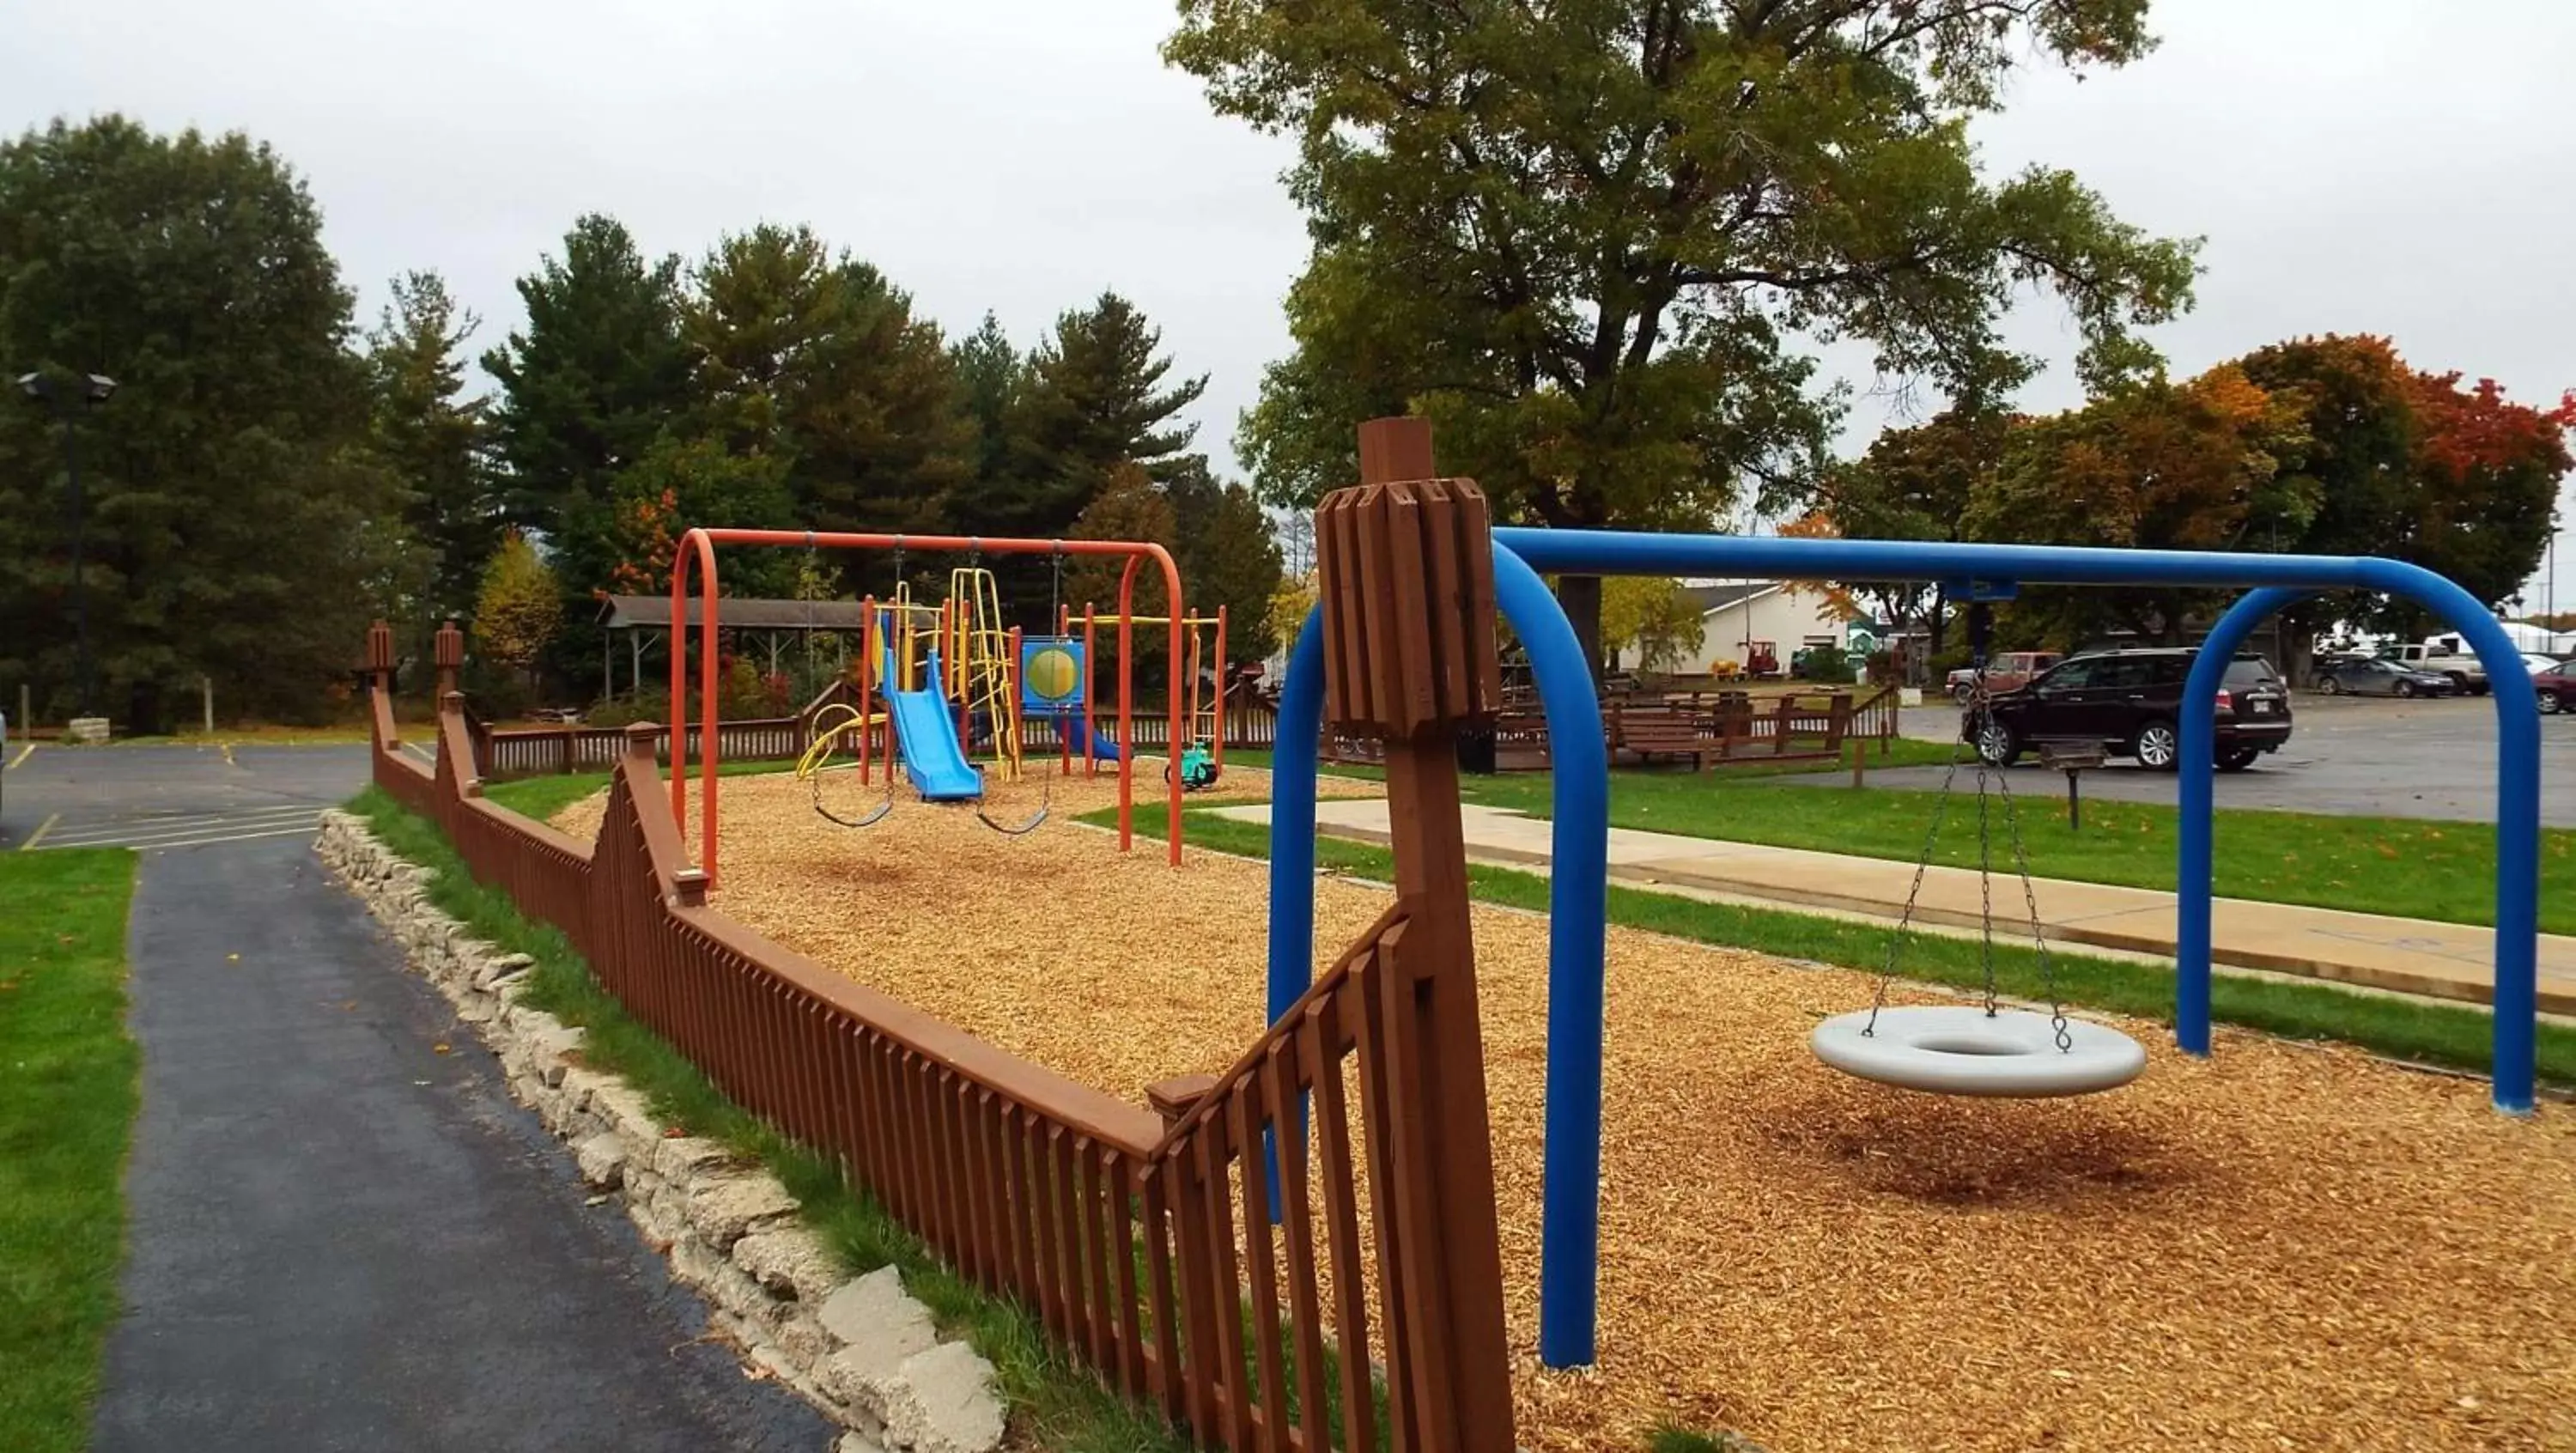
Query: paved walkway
[[2443, 960], [341, 1238]]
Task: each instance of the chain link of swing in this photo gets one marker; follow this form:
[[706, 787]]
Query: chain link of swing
[[1975, 719]]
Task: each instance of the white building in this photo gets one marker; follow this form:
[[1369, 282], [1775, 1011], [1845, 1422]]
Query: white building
[[1790, 616]]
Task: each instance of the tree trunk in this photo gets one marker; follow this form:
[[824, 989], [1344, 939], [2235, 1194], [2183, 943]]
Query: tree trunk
[[1580, 595]]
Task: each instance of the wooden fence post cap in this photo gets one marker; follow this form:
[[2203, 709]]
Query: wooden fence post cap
[[452, 701], [642, 731], [1405, 570], [450, 645]]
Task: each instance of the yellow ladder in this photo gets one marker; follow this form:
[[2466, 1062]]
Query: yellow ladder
[[981, 649]]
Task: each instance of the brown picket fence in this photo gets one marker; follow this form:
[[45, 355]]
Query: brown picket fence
[[1140, 1236]]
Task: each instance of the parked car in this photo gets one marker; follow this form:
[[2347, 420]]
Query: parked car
[[2557, 688], [2005, 670], [2378, 676], [2130, 703], [2443, 658], [2536, 663]]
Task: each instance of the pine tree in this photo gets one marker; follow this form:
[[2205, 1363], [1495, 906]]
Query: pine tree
[[433, 438], [813, 357], [587, 388], [992, 373], [237, 516], [1092, 400]]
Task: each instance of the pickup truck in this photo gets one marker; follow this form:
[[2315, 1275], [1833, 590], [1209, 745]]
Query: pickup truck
[[2442, 658], [2005, 671]]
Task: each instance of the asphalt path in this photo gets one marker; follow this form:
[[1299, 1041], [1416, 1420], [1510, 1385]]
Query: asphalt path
[[2347, 756], [343, 1233]]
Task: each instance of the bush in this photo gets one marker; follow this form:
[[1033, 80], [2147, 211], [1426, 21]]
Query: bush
[[1828, 664], [1882, 668]]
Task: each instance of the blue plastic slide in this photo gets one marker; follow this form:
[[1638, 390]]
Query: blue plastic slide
[[926, 734], [1081, 740]]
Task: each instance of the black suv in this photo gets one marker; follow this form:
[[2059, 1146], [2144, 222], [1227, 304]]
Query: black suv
[[2130, 702]]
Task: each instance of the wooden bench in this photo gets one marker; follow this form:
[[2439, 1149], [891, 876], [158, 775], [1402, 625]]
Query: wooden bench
[[1653, 732]]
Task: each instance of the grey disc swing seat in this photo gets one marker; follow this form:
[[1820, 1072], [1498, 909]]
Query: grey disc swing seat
[[1966, 1049], [1981, 1048]]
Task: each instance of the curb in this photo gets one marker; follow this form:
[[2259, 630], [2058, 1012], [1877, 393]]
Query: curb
[[860, 1350]]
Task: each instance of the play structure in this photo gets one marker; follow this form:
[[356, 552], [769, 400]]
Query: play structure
[[1916, 1051], [1049, 1100], [950, 674]]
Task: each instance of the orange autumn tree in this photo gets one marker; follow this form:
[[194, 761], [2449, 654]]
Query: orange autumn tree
[[2209, 464]]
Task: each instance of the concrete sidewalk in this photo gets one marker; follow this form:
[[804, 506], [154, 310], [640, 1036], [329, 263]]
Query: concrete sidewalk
[[2406, 955]]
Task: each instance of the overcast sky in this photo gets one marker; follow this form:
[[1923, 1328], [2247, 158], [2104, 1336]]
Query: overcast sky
[[2356, 165]]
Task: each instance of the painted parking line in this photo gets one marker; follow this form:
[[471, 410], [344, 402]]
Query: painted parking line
[[230, 837], [38, 835], [20, 760], [185, 831]]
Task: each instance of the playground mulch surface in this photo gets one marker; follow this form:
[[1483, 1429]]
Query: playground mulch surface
[[2285, 1246]]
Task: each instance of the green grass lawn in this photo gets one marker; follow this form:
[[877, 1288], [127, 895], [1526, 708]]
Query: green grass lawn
[[2440, 1034], [67, 1098], [542, 797], [2410, 867]]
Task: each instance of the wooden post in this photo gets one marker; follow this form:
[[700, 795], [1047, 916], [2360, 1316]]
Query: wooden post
[[1860, 759], [1405, 569], [448, 650]]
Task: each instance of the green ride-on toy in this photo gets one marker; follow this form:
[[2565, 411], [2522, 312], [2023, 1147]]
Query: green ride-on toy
[[1198, 767]]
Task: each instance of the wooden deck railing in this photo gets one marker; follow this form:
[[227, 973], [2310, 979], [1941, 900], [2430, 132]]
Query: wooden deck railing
[[1141, 1239]]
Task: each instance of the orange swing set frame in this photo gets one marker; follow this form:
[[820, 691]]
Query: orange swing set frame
[[697, 548]]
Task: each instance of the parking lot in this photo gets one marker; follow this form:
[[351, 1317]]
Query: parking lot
[[167, 797], [2378, 757]]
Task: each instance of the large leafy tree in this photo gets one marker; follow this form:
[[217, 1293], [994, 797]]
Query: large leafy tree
[[2487, 472], [2211, 464], [1587, 238], [237, 517], [2412, 466], [433, 437], [1913, 483]]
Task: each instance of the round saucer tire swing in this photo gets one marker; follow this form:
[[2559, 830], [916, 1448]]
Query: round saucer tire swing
[[1982, 1049]]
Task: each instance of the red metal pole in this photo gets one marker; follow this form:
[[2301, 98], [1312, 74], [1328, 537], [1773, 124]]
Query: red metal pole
[[705, 539], [1063, 738], [1126, 702], [701, 544]]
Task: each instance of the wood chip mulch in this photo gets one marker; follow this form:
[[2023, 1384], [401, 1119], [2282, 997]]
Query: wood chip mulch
[[2283, 1247]]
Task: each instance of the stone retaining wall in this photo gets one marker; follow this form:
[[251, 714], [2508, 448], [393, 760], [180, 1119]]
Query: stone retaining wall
[[860, 1350]]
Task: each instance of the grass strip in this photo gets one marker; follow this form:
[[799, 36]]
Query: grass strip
[[2452, 1036], [67, 1100]]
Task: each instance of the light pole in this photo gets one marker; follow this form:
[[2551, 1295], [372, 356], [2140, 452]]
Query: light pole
[[62, 393]]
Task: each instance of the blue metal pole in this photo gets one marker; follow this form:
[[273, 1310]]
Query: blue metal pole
[[1578, 916], [2192, 872], [1292, 819], [1292, 842], [2517, 909]]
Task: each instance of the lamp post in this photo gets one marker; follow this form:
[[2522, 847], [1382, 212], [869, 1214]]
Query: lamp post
[[62, 393]]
